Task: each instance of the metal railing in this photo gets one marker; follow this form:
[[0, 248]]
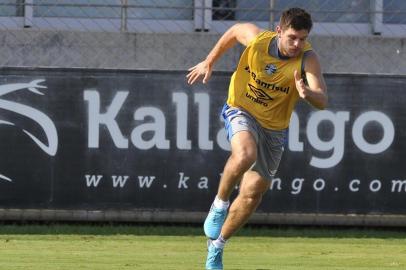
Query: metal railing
[[173, 34], [355, 17]]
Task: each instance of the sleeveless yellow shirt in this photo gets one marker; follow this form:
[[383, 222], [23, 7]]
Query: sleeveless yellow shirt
[[264, 85]]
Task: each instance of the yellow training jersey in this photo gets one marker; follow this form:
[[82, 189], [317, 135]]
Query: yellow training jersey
[[264, 85]]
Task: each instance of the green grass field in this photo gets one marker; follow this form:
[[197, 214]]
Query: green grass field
[[157, 247]]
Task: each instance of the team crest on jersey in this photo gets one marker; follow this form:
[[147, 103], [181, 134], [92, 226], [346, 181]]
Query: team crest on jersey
[[270, 69]]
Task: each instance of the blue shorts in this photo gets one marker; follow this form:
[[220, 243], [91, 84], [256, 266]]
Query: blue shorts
[[270, 143]]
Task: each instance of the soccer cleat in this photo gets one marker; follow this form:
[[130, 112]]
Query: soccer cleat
[[214, 221], [214, 257]]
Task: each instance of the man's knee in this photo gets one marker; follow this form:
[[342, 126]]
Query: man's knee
[[253, 187], [252, 198], [244, 159]]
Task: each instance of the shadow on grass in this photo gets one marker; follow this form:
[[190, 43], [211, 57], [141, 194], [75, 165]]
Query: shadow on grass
[[197, 230]]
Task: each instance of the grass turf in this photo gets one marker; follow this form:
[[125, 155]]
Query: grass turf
[[176, 247]]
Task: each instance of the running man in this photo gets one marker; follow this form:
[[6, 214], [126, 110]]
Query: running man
[[275, 70]]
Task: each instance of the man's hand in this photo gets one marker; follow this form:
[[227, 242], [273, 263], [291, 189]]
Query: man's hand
[[316, 91], [203, 69], [300, 85]]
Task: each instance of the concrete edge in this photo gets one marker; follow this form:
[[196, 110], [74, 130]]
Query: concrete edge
[[159, 216]]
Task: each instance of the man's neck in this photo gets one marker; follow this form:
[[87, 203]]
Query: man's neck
[[275, 51]]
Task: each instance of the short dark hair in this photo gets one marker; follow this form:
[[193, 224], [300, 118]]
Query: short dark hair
[[296, 18]]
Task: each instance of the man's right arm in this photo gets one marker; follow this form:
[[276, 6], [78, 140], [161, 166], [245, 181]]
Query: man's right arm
[[243, 33]]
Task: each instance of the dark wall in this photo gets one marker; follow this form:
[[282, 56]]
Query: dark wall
[[147, 140]]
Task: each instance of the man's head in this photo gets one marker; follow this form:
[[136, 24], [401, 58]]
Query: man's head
[[296, 18], [293, 29]]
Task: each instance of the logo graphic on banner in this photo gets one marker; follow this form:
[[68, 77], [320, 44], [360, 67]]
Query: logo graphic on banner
[[39, 117]]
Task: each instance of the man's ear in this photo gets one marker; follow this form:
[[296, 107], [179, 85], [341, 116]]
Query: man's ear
[[279, 30]]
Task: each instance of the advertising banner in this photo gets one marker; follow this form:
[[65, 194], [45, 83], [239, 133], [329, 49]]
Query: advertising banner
[[90, 139]]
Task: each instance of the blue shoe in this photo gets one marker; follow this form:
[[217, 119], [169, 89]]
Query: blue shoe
[[214, 257], [214, 221]]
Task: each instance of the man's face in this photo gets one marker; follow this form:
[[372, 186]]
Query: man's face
[[291, 41]]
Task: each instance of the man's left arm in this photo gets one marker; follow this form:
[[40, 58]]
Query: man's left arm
[[315, 92]]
